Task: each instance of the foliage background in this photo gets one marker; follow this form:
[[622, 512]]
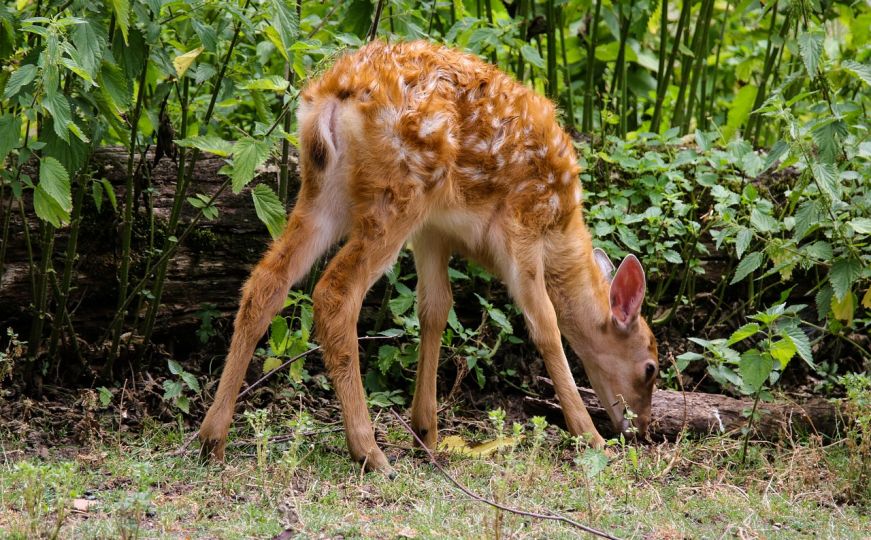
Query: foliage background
[[725, 142]]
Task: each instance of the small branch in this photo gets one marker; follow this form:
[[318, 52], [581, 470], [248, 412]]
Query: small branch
[[473, 495], [183, 448], [373, 30]]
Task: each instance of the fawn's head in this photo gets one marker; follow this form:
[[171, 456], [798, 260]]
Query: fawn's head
[[622, 361]]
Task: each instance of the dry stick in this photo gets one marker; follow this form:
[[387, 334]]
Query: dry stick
[[261, 380], [479, 498]]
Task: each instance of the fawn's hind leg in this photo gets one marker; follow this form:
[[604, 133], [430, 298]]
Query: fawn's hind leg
[[371, 247], [431, 256], [287, 261]]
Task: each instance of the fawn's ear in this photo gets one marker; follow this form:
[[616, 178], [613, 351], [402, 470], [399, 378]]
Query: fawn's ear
[[604, 263], [627, 291]]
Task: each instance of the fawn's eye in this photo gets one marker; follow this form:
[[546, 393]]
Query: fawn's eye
[[650, 370]]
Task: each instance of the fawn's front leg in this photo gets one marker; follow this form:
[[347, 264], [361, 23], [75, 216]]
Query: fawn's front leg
[[531, 295]]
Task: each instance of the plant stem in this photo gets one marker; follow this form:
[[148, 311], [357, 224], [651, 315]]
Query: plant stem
[[66, 278], [40, 293], [570, 99], [662, 88], [550, 15], [587, 122], [524, 23], [749, 426], [186, 177], [126, 235], [700, 50]]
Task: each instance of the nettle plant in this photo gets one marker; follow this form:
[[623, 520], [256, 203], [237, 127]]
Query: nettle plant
[[775, 337]]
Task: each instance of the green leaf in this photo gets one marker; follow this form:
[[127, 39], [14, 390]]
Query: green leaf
[[672, 256], [860, 225], [191, 381], [174, 367], [184, 404], [285, 21], [171, 389], [827, 135], [122, 16], [48, 209], [89, 47], [843, 273], [269, 209], [530, 54], [115, 87], [763, 222], [739, 111], [807, 217], [271, 363], [208, 143], [110, 192], [273, 83], [500, 319], [248, 154], [10, 135], [776, 153], [20, 78], [810, 44], [748, 264], [743, 333], [863, 71], [755, 367], [593, 461], [819, 250], [783, 350], [400, 304], [57, 104], [826, 175], [823, 300], [742, 241], [799, 340], [278, 331], [55, 182]]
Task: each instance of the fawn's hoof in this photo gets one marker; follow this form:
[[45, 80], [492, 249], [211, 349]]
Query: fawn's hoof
[[376, 461], [211, 449]]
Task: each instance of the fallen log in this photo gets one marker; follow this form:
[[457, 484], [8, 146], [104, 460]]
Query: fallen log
[[704, 414], [205, 273]]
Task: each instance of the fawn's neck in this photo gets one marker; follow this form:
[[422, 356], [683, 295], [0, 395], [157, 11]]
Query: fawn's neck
[[578, 289]]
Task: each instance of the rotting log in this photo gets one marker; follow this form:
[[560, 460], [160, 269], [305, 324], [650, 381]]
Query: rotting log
[[703, 414], [206, 271]]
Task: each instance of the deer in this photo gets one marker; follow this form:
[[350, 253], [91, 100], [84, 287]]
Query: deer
[[420, 144]]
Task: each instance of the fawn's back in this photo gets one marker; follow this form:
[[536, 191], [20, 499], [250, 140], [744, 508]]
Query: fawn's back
[[443, 131]]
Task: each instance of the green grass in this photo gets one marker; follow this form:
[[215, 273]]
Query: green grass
[[693, 489]]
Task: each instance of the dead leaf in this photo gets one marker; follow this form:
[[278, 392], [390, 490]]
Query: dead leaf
[[406, 532], [83, 505], [182, 62], [457, 445]]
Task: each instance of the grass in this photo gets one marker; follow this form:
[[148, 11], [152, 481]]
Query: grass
[[306, 485]]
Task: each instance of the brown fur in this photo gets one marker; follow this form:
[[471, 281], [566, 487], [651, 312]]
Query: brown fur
[[417, 142]]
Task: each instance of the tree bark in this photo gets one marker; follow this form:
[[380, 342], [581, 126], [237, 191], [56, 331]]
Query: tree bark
[[704, 414]]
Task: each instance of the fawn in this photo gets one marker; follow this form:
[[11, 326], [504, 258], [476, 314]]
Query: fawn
[[417, 142]]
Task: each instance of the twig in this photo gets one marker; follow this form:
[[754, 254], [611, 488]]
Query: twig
[[479, 498], [183, 448], [373, 30]]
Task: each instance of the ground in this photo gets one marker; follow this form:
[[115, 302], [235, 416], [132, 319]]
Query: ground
[[289, 474]]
